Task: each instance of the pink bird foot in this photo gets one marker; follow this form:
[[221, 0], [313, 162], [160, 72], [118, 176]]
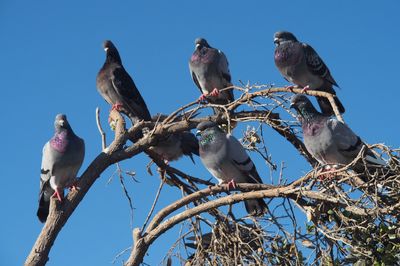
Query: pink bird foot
[[117, 107], [215, 92], [305, 89], [327, 173], [202, 98], [57, 193], [231, 184], [74, 186]]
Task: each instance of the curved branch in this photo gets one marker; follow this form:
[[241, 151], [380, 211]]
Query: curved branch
[[60, 213]]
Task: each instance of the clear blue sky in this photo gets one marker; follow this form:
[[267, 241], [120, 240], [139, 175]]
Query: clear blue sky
[[51, 52]]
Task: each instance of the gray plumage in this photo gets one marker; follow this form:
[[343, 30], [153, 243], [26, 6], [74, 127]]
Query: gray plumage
[[209, 69], [176, 145], [62, 157], [117, 87], [300, 64], [328, 140], [226, 159]]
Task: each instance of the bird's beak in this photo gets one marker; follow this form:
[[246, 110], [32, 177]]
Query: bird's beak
[[198, 133], [106, 48], [197, 45], [276, 40], [291, 106], [61, 122]]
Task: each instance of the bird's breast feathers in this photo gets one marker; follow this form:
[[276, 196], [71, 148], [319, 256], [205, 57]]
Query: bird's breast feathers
[[59, 142]]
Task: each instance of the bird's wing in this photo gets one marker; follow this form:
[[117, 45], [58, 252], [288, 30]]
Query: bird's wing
[[80, 152], [223, 66], [349, 144], [47, 164], [241, 160], [189, 144], [346, 141], [194, 77], [316, 65], [126, 88]]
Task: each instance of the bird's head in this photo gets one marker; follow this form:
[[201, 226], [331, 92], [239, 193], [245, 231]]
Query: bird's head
[[111, 51], [283, 36], [200, 43], [205, 126], [207, 131], [108, 45], [61, 122], [303, 106]]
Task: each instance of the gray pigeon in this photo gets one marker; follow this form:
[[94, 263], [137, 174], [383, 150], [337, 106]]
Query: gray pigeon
[[328, 140], [118, 88], [176, 145], [62, 157], [209, 69], [300, 64], [226, 159]]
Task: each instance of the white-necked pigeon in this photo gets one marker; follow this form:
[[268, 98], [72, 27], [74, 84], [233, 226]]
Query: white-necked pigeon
[[62, 157], [300, 64], [226, 159]]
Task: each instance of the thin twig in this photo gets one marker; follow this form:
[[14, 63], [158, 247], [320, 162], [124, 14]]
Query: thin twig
[[154, 202], [102, 134]]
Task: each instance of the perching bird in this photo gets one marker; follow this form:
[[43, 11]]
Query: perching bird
[[328, 140], [300, 64], [226, 159], [62, 157], [117, 87], [176, 145], [209, 69]]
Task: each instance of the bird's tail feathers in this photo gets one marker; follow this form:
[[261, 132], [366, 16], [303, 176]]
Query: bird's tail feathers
[[44, 205], [190, 144], [255, 207], [326, 107], [375, 160]]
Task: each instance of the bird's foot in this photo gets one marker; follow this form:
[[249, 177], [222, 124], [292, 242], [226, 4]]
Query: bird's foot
[[215, 92], [202, 98], [231, 184], [117, 107], [327, 173], [305, 89], [57, 193], [74, 186]]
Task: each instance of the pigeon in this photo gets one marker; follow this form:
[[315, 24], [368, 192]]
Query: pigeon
[[117, 87], [176, 145], [62, 157], [300, 64], [226, 159], [328, 140], [209, 69]]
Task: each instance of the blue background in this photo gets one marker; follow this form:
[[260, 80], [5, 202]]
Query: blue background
[[51, 52]]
